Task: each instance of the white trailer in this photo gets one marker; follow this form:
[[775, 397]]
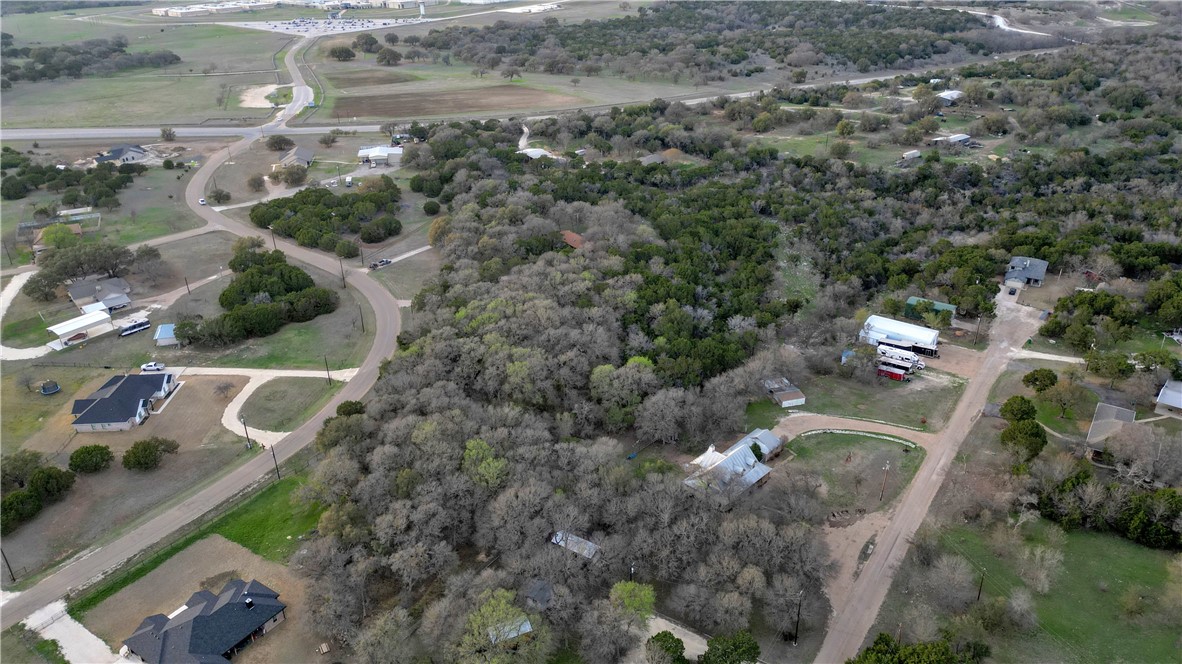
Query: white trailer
[[902, 365], [900, 355], [880, 330]]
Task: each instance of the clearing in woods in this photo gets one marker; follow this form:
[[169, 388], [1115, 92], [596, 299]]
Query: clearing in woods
[[423, 104]]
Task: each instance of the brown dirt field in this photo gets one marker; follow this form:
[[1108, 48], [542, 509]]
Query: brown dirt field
[[192, 415], [413, 104], [113, 499], [369, 77], [208, 564], [956, 360]]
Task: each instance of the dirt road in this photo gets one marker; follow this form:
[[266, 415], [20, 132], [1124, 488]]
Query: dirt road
[[854, 616]]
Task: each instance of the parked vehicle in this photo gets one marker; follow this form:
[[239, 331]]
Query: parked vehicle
[[201, 201], [1013, 291], [152, 366], [900, 356], [894, 373], [134, 326], [349, 181]]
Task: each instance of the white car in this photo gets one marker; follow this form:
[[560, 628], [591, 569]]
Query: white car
[[201, 201], [152, 366]]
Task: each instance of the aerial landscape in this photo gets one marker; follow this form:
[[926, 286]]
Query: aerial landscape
[[581, 332]]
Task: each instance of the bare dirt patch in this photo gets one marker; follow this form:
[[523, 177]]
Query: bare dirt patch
[[256, 96], [495, 98], [956, 360], [110, 500], [208, 564], [359, 79]]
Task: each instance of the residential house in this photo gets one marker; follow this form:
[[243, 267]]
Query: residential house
[[122, 402], [378, 154], [208, 628], [728, 475], [112, 293], [166, 335], [783, 392], [1169, 399], [123, 154], [1023, 271], [296, 156]]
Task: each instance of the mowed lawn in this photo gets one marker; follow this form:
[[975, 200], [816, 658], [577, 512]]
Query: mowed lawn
[[852, 468], [1081, 618], [283, 404], [931, 394]]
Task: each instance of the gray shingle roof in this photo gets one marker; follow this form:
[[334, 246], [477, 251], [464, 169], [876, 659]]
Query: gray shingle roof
[[209, 626], [1023, 268], [118, 399], [99, 289]]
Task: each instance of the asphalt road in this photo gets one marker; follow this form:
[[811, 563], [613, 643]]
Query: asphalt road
[[851, 622], [86, 567]]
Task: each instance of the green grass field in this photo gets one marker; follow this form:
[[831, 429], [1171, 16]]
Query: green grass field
[[1081, 617], [283, 404], [763, 414], [178, 93], [931, 395], [851, 466], [20, 645], [1077, 419], [268, 524]]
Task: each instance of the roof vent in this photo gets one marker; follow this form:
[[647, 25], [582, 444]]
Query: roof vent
[[249, 603]]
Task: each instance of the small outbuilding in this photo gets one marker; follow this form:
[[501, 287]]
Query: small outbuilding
[[950, 97], [166, 335], [909, 309], [783, 392], [583, 547]]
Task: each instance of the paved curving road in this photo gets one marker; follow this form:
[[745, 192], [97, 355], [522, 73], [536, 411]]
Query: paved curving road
[[852, 621], [89, 565]]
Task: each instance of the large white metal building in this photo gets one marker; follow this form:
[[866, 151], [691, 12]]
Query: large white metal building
[[891, 332]]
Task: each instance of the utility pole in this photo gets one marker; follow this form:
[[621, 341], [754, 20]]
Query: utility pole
[[361, 317], [796, 632], [6, 564], [246, 430], [277, 477], [273, 245], [342, 262], [981, 585], [327, 373], [187, 286], [885, 471]]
